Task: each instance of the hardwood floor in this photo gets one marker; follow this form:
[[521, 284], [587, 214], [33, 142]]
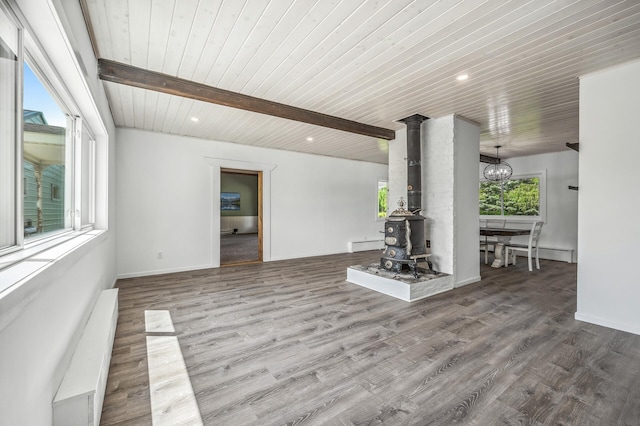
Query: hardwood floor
[[291, 342]]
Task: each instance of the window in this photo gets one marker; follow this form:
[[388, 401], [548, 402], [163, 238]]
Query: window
[[383, 197], [86, 152], [10, 76], [47, 153], [522, 196], [55, 192]]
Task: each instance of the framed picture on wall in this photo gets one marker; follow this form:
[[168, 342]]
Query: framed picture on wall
[[229, 201]]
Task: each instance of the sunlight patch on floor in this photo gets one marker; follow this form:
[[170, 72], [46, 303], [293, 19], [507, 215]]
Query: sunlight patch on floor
[[158, 322], [172, 399]]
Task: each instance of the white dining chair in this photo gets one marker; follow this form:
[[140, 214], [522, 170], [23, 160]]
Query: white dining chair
[[512, 249], [484, 246], [483, 242]]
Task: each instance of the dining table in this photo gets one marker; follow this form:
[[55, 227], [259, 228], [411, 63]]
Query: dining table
[[503, 237]]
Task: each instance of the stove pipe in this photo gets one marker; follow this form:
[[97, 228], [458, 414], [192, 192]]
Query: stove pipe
[[414, 172]]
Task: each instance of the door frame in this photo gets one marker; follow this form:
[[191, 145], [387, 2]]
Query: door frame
[[223, 163], [259, 188]]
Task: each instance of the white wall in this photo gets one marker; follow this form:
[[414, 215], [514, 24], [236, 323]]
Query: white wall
[[42, 317], [608, 225], [316, 204], [398, 170], [560, 229]]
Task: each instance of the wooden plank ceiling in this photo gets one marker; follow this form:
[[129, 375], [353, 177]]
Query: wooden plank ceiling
[[373, 62]]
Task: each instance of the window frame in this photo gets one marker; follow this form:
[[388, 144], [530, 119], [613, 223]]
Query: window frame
[[55, 192], [542, 188], [30, 52], [81, 147], [16, 197], [48, 78]]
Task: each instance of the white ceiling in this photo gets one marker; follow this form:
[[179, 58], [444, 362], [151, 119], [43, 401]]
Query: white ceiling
[[369, 61]]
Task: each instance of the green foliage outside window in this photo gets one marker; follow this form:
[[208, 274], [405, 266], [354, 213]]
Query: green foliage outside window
[[516, 197], [383, 195], [490, 202]]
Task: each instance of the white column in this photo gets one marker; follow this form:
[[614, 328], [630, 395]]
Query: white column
[[450, 153], [608, 201]]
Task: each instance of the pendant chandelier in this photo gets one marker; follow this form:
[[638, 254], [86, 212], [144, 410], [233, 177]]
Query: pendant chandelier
[[499, 171]]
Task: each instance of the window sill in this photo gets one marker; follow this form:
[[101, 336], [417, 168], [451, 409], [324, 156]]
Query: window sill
[[19, 266]]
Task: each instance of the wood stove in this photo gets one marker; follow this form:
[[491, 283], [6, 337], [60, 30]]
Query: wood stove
[[404, 241], [404, 229]]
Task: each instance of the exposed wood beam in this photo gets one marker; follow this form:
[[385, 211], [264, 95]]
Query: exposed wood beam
[[137, 77], [87, 20], [574, 146], [489, 159]]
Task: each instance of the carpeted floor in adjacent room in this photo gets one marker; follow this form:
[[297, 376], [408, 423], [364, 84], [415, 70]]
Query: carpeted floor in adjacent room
[[236, 248]]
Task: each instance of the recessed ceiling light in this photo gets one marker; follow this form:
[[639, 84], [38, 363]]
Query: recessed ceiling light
[[195, 119], [462, 77], [309, 139]]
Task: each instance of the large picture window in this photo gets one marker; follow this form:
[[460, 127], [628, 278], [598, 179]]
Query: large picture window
[[521, 196], [47, 153]]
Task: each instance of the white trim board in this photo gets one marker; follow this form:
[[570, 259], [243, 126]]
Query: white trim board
[[629, 328], [165, 271], [217, 164]]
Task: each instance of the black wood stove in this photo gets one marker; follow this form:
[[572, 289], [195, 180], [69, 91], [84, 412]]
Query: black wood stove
[[404, 241], [404, 229]]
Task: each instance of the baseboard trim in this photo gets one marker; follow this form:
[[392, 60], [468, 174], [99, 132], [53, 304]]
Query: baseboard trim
[[629, 328], [164, 271], [304, 256]]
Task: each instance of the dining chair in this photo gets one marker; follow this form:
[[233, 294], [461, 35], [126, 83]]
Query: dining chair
[[483, 242], [484, 246], [512, 249]]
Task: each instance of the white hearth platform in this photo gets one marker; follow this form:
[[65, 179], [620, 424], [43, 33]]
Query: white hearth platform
[[401, 286]]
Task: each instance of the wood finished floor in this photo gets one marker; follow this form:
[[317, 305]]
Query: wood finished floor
[[292, 343]]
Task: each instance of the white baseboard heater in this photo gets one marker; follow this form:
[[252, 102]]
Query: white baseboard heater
[[354, 246], [81, 393]]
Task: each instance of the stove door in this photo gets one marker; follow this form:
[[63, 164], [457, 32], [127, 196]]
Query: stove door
[[395, 234]]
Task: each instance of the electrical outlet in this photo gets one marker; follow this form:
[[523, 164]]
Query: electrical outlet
[[428, 243], [160, 255]]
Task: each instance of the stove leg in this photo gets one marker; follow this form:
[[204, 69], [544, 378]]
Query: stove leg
[[413, 268], [430, 263]]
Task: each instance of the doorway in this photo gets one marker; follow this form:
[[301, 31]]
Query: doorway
[[240, 216]]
